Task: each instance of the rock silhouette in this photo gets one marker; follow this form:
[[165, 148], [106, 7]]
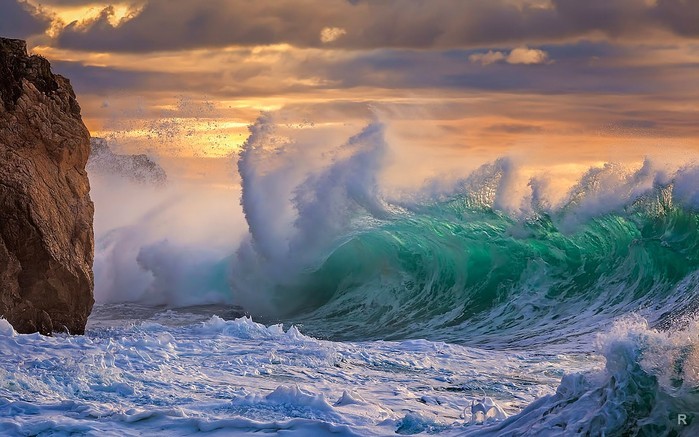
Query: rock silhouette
[[46, 235]]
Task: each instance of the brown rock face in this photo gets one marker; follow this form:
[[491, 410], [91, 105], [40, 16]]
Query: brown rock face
[[46, 236]]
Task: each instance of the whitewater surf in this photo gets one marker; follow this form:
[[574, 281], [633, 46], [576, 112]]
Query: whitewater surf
[[343, 309]]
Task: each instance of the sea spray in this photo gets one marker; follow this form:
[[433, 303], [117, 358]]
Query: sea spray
[[165, 244], [321, 242], [294, 216]]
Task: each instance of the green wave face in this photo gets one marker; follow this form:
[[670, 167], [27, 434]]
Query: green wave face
[[329, 251], [461, 272]]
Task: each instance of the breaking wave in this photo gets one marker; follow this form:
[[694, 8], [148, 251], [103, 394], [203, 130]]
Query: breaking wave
[[330, 252], [320, 242], [648, 386]]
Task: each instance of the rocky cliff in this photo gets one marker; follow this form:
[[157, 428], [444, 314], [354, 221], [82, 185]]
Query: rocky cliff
[[46, 237]]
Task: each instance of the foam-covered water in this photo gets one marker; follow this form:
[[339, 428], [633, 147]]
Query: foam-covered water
[[243, 376], [468, 307], [173, 375]]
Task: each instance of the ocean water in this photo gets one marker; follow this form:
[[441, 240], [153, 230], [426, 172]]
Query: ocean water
[[459, 309], [171, 372]]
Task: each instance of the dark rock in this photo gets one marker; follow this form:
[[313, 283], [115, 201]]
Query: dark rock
[[46, 236], [137, 168]]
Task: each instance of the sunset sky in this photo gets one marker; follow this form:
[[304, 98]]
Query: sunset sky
[[552, 81]]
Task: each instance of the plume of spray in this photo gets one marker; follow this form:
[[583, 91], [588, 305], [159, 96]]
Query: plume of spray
[[299, 199], [164, 244]]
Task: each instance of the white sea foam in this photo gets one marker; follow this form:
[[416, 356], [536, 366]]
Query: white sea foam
[[238, 377], [648, 386]]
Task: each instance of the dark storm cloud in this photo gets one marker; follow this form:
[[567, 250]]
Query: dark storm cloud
[[597, 69], [414, 69], [96, 80], [99, 80], [20, 20], [103, 80], [682, 16], [68, 2], [172, 25]]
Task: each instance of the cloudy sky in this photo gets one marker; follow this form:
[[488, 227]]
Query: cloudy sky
[[565, 81]]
